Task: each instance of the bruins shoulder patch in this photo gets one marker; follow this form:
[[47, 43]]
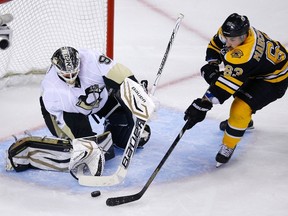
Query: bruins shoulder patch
[[236, 53]]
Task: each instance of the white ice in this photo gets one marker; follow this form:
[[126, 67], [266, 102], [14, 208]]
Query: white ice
[[254, 183]]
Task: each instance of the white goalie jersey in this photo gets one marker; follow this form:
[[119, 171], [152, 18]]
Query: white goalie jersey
[[87, 96]]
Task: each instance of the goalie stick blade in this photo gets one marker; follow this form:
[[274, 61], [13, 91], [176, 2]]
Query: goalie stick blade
[[114, 201], [114, 179]]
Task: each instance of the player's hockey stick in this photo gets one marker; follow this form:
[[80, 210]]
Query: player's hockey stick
[[175, 30], [113, 201]]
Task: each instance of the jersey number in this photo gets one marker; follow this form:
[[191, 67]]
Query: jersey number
[[274, 54], [104, 59], [234, 72]]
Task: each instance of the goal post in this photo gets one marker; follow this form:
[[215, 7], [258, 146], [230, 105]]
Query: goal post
[[39, 27], [110, 29]]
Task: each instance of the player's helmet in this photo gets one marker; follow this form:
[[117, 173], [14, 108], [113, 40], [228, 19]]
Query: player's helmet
[[235, 25], [67, 62]]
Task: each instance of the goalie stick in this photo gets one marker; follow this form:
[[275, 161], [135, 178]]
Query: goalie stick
[[114, 201], [141, 105], [173, 35], [121, 172]]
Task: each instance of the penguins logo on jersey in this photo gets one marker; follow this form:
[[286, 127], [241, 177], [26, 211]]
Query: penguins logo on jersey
[[91, 99]]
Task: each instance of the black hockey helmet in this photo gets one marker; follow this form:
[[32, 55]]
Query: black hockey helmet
[[235, 25], [67, 61]]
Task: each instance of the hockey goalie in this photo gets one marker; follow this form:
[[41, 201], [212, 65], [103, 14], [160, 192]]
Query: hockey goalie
[[85, 156], [79, 84]]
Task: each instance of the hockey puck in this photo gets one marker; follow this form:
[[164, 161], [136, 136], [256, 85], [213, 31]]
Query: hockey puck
[[95, 193]]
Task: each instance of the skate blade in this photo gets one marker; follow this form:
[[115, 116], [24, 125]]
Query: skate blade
[[218, 164], [8, 166]]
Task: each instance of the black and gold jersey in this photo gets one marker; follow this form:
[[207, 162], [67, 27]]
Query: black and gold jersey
[[258, 57]]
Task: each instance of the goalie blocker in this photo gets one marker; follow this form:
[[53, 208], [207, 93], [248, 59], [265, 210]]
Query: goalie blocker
[[83, 156]]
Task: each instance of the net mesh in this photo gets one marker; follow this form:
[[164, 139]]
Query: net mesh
[[42, 26]]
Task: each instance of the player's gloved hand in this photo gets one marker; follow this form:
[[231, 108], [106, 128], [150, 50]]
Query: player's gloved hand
[[196, 112], [210, 72]]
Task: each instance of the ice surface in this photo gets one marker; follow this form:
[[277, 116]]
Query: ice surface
[[253, 183]]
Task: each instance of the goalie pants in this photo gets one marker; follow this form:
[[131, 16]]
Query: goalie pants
[[78, 123], [251, 97], [119, 123]]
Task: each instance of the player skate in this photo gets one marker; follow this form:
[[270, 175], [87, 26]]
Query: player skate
[[224, 155]]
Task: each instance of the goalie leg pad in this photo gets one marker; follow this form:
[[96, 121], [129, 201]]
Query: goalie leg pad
[[37, 152]]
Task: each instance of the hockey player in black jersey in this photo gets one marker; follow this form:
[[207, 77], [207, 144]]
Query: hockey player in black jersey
[[255, 73]]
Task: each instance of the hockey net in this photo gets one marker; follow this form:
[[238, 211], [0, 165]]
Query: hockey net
[[42, 26]]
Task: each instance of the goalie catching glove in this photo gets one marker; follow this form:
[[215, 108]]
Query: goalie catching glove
[[84, 157]]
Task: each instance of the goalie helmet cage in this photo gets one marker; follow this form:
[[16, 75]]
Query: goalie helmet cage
[[42, 26]]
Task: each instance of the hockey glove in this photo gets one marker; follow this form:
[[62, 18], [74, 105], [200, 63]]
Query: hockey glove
[[196, 112], [210, 72]]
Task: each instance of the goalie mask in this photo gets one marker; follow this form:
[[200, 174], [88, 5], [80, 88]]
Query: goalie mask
[[67, 62]]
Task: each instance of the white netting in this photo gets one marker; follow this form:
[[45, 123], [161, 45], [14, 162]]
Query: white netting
[[42, 26]]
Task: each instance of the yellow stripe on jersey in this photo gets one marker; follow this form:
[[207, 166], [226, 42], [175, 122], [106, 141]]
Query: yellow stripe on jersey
[[278, 75], [212, 45], [224, 87], [228, 84], [232, 79]]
